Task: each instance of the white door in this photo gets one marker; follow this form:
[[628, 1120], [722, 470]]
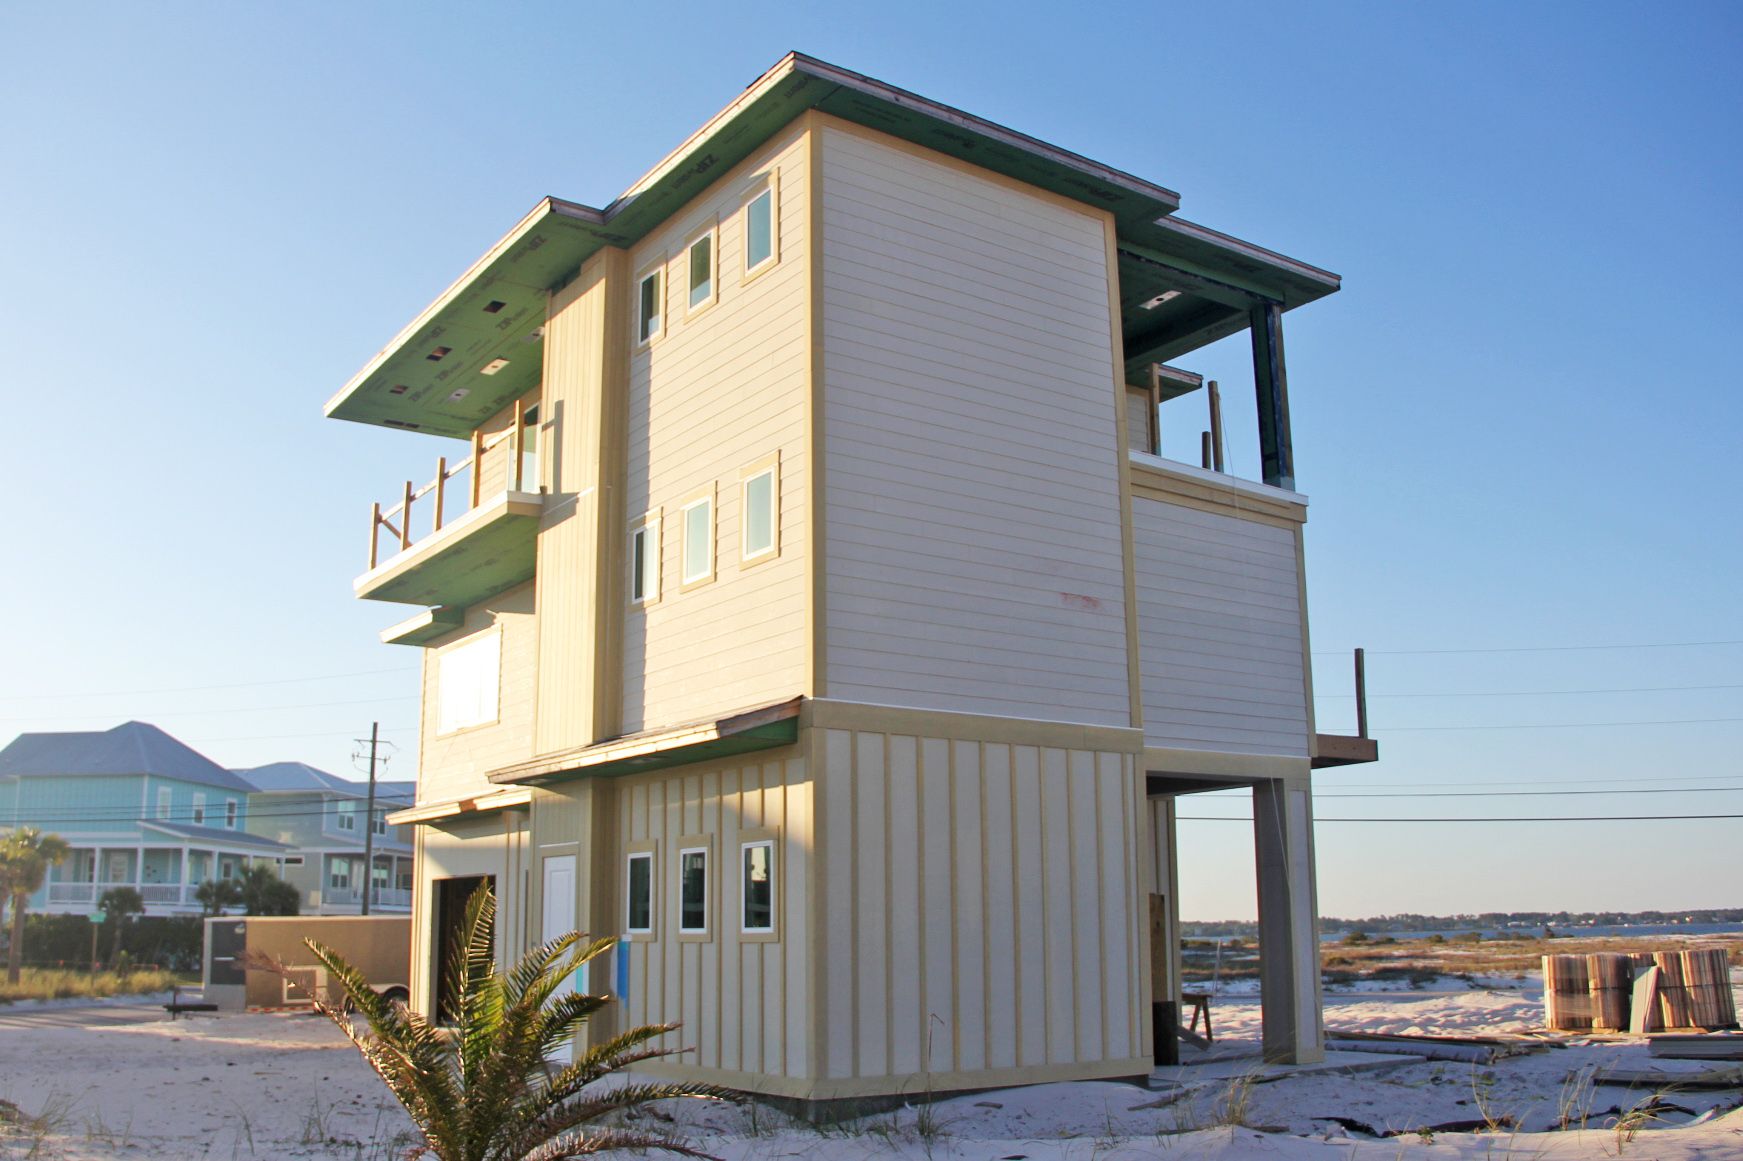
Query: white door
[[559, 918]]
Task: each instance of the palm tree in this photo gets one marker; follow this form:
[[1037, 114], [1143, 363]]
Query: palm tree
[[480, 1090], [26, 854]]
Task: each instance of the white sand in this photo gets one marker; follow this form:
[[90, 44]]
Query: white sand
[[126, 1082]]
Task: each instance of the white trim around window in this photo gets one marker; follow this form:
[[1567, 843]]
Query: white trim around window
[[640, 890], [694, 893], [760, 221], [199, 811], [702, 271], [164, 794], [759, 511], [696, 540], [757, 886], [644, 559], [650, 303]]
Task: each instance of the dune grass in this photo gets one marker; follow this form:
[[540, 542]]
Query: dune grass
[[63, 984]]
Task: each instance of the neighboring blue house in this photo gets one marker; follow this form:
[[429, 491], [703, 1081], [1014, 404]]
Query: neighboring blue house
[[320, 819], [138, 808]]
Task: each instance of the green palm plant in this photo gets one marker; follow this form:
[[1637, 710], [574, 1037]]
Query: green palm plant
[[26, 854], [480, 1090]]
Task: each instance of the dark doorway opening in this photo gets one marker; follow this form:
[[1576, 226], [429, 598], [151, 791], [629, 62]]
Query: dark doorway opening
[[451, 897]]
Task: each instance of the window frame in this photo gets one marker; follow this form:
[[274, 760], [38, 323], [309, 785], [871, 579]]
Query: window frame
[[704, 846], [647, 853], [711, 235], [769, 839], [442, 728], [232, 813], [767, 185], [644, 334], [770, 466], [198, 813], [165, 799], [647, 528], [686, 579], [345, 816]]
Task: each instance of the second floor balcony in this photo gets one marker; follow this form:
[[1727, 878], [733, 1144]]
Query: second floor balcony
[[466, 534]]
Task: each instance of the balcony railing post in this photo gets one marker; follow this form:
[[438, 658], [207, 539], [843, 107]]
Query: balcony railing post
[[441, 487], [1216, 427], [374, 527], [517, 442], [405, 519], [477, 464], [1361, 693]]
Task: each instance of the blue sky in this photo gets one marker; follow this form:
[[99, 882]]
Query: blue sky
[[1518, 423]]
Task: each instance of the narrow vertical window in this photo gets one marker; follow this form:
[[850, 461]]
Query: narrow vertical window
[[702, 271], [230, 813], [163, 795], [644, 562], [758, 525], [199, 809], [759, 887], [759, 231], [693, 889], [639, 907], [650, 313], [698, 541]]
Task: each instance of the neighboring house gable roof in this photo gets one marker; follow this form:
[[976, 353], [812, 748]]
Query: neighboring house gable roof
[[130, 749], [301, 778]]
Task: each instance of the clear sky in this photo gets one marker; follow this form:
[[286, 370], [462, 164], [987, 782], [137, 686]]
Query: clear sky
[[1517, 423]]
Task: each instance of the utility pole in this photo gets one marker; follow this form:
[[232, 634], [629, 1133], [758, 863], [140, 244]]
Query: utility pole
[[369, 821]]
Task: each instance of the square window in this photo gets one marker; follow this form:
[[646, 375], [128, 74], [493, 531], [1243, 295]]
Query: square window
[[698, 541], [639, 909], [651, 304], [347, 816], [758, 524], [468, 680], [759, 886], [693, 889], [759, 231], [644, 561], [702, 271]]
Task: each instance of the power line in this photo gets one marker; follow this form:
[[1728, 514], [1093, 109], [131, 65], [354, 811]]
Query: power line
[[246, 709], [1526, 649], [1557, 725], [202, 688], [1535, 692], [1555, 818]]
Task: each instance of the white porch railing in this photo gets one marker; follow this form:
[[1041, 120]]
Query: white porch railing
[[161, 892], [392, 897], [72, 892]]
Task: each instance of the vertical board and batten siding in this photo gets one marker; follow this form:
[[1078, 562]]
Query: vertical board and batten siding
[[972, 513], [744, 1001], [720, 390], [456, 764], [1219, 625], [983, 904]]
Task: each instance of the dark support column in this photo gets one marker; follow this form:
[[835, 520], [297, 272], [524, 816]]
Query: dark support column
[[1271, 385]]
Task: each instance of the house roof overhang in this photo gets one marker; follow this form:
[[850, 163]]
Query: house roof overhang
[[431, 377], [456, 809]]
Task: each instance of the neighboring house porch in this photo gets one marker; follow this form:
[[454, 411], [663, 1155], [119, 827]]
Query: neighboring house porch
[[166, 873]]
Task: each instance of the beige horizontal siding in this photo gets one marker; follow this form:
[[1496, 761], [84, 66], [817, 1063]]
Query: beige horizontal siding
[[1219, 616], [717, 392], [972, 506], [454, 765]]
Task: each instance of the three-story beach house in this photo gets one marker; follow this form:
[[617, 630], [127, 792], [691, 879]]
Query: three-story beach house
[[803, 598]]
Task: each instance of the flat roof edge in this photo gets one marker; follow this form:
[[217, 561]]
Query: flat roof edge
[[1249, 250]]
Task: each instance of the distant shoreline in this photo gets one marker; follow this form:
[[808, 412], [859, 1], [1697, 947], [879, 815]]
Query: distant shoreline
[[1501, 925]]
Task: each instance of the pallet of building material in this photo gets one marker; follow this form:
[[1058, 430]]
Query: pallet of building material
[[1696, 1045], [1610, 982], [1711, 999], [1475, 1049], [1567, 999]]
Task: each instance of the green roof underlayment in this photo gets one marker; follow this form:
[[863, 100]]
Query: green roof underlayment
[[430, 378]]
